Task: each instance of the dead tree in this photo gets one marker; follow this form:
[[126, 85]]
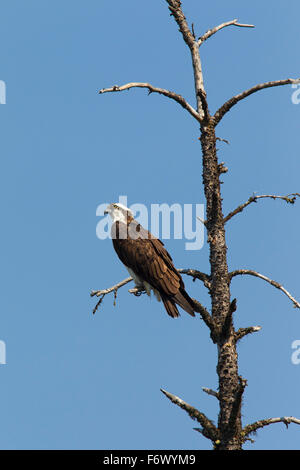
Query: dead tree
[[229, 433]]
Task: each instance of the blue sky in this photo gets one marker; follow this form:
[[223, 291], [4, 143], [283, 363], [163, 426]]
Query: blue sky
[[74, 380]]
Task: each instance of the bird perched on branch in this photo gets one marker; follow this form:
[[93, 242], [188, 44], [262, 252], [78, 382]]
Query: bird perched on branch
[[148, 262]]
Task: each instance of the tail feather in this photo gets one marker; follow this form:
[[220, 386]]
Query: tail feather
[[183, 300], [170, 307]]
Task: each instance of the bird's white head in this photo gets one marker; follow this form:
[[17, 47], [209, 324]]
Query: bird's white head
[[119, 212]]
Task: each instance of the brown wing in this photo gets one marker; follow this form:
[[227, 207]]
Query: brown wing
[[146, 255]]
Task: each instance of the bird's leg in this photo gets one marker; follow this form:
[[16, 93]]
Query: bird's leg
[[137, 290]]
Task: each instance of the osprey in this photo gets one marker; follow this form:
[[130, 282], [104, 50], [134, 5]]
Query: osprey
[[147, 261]]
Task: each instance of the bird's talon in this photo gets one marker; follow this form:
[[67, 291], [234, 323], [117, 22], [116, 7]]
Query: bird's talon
[[137, 291]]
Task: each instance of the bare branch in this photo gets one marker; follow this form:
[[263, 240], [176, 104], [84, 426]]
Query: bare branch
[[222, 168], [241, 332], [290, 199], [195, 274], [265, 278], [207, 318], [117, 286], [235, 99], [176, 11], [152, 89], [212, 31], [211, 392], [223, 140], [209, 429], [104, 292], [193, 31], [202, 221], [243, 25], [252, 428]]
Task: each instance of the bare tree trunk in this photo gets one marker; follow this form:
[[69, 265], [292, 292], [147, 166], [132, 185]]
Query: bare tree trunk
[[229, 422]]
